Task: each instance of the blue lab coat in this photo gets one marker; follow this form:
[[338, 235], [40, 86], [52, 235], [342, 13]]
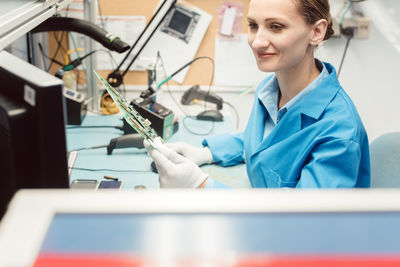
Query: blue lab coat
[[319, 143]]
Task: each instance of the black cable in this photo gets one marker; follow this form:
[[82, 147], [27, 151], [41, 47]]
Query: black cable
[[146, 41], [197, 133], [179, 105], [59, 46], [168, 89], [101, 15], [349, 32], [95, 126], [212, 73], [78, 61], [236, 113], [46, 56], [43, 56], [154, 74], [73, 63], [106, 170], [113, 65], [136, 42], [184, 66], [87, 148], [59, 43], [115, 77], [112, 60]]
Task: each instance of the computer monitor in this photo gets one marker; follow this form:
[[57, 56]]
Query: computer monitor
[[32, 129], [254, 227]]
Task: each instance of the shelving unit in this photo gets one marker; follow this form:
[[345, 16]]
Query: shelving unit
[[18, 17]]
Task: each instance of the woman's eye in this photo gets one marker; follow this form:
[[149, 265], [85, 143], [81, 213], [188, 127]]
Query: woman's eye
[[252, 26], [276, 27]]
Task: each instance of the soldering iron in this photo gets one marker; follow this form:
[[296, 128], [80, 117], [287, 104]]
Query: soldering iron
[[124, 141]]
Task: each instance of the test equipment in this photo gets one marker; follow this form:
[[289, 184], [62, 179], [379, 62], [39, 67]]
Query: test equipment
[[76, 106], [161, 117]]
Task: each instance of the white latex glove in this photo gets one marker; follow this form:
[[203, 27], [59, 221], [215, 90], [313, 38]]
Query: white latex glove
[[199, 155], [174, 170]]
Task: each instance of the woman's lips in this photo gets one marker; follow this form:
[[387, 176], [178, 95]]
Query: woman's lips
[[263, 55]]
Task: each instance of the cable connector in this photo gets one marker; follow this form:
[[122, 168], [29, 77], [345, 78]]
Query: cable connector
[[360, 25], [348, 31]]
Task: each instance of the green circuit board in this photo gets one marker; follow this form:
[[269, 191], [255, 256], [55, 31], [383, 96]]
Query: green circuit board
[[132, 117]]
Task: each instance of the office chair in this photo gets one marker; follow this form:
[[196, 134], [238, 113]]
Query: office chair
[[385, 161]]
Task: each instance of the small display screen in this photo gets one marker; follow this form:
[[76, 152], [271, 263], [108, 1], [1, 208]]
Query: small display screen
[[71, 93], [156, 108], [179, 22]]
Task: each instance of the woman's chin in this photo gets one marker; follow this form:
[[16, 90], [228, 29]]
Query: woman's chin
[[264, 68], [266, 65]]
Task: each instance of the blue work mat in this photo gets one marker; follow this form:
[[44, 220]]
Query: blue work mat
[[132, 165]]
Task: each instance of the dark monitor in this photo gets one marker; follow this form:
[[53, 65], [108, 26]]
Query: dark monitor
[[180, 22], [32, 129]]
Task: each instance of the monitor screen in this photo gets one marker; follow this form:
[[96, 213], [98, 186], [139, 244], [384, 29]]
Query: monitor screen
[[180, 22], [198, 239], [32, 129]]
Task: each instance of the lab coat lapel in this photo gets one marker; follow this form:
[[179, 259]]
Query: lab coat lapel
[[256, 123], [287, 126]]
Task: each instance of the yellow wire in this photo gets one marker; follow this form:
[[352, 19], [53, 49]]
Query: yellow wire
[[66, 59]]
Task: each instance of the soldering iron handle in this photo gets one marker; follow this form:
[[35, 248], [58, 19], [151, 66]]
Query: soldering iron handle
[[129, 140]]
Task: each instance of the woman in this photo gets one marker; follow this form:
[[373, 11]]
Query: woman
[[303, 132]]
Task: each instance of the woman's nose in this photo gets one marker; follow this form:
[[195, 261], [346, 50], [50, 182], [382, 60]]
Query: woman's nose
[[260, 40]]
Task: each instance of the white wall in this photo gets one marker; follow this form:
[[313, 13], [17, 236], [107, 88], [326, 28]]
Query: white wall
[[370, 73]]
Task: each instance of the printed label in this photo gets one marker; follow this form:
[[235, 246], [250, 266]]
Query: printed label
[[30, 95]]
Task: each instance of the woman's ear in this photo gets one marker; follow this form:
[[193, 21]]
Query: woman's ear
[[318, 32]]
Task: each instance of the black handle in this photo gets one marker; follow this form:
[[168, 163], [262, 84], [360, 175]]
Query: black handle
[[85, 27], [129, 140], [195, 93]]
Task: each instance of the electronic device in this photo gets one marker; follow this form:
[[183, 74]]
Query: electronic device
[[84, 184], [180, 23], [110, 184], [210, 115], [162, 118], [195, 93], [32, 129], [76, 106], [254, 227]]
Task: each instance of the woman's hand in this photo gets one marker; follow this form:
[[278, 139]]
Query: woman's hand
[[175, 170], [199, 155]]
